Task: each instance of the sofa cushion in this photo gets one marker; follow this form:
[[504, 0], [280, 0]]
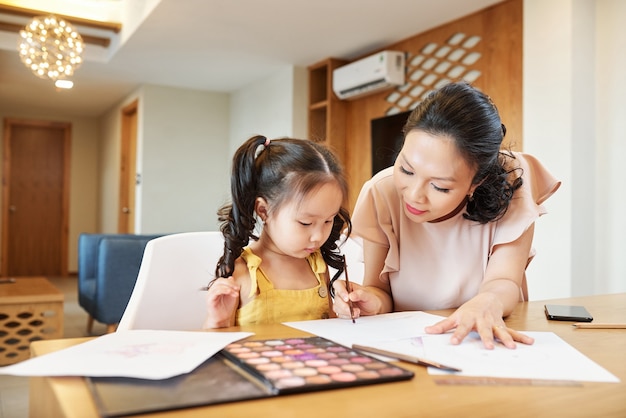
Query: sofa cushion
[[108, 265]]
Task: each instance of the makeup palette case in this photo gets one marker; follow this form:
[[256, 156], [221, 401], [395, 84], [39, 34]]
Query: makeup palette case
[[249, 369]]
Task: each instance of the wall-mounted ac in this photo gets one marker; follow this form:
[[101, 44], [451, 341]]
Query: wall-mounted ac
[[369, 75]]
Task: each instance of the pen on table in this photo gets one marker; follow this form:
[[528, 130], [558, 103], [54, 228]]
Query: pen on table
[[405, 357], [599, 325], [348, 288]]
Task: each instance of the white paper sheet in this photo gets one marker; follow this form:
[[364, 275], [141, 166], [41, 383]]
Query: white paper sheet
[[142, 354], [548, 358], [387, 328]]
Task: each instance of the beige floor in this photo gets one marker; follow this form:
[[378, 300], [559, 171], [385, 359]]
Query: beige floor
[[14, 390]]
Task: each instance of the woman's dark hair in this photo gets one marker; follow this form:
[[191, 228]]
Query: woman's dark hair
[[471, 120], [278, 171]]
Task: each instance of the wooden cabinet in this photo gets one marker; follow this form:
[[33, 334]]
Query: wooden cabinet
[[327, 114]]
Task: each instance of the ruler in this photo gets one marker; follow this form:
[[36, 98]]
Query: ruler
[[501, 381]]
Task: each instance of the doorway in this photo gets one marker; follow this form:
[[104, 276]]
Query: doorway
[[128, 170], [35, 198]]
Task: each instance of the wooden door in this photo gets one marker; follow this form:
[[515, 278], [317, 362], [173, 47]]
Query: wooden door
[[35, 198], [128, 170]]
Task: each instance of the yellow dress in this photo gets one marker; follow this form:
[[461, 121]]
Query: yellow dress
[[271, 306]]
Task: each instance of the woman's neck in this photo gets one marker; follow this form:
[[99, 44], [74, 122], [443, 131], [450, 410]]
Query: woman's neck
[[452, 214]]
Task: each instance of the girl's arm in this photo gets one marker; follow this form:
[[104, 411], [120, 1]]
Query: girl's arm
[[224, 297], [222, 303]]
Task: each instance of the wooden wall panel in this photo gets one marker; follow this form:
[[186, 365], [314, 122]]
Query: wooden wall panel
[[500, 64]]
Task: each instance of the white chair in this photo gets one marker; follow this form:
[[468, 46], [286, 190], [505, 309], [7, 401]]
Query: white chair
[[167, 294], [352, 249]]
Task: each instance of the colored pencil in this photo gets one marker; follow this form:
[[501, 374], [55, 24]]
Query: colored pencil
[[405, 357], [599, 325]]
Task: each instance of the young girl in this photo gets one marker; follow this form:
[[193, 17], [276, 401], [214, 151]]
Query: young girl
[[296, 189], [451, 224]]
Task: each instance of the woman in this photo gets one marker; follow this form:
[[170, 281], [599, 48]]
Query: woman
[[451, 224]]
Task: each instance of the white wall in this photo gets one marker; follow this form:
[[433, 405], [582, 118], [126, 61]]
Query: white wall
[[183, 147], [570, 47], [274, 107], [186, 139], [610, 133], [182, 158]]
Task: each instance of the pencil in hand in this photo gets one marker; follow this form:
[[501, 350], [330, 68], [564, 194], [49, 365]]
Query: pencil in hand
[[348, 288]]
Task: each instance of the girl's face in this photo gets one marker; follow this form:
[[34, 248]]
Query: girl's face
[[431, 177], [300, 227]]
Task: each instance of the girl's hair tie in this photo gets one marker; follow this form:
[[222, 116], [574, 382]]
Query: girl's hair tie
[[261, 147]]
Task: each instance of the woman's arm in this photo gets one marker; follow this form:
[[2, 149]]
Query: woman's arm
[[506, 269], [497, 297]]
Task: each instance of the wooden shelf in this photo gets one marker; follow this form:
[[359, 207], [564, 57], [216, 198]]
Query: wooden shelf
[[327, 114]]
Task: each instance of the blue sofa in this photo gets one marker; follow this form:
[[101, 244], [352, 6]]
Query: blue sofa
[[108, 265]]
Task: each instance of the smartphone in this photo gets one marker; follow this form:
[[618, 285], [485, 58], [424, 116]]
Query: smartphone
[[568, 313]]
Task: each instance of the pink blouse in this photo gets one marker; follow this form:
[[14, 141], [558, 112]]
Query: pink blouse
[[441, 265]]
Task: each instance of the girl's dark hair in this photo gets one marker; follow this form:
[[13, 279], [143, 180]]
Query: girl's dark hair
[[471, 120], [278, 171]]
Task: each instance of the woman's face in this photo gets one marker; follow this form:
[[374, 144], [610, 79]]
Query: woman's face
[[431, 177]]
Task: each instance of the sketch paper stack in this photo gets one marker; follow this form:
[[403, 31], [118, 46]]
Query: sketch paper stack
[[141, 354], [549, 358]]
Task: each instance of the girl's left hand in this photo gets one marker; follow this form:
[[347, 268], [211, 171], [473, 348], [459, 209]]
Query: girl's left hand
[[483, 314]]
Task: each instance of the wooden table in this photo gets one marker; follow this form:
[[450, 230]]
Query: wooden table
[[419, 397], [31, 308]]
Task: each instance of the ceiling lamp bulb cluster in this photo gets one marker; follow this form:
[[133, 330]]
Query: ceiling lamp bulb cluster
[[50, 47]]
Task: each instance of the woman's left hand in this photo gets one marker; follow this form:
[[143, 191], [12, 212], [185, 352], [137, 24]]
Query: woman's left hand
[[483, 314]]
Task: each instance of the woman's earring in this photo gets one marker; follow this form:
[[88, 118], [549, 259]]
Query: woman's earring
[[470, 197]]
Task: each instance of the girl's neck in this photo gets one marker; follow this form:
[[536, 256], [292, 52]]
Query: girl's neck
[[284, 271]]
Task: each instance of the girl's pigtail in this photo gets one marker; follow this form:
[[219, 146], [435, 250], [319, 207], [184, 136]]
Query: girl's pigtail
[[237, 218], [330, 251]]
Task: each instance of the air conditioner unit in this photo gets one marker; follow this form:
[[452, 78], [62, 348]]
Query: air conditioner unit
[[369, 75]]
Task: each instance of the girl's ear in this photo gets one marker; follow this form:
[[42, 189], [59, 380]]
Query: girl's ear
[[261, 208]]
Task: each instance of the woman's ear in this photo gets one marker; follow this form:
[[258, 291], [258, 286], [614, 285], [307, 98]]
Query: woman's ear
[[261, 208], [471, 191], [473, 187]]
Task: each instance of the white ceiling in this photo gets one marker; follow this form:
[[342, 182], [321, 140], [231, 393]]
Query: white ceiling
[[224, 45]]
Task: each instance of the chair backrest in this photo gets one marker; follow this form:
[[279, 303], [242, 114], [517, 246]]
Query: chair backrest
[[352, 249], [167, 294]]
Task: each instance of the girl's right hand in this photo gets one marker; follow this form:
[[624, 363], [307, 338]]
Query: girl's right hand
[[364, 301], [222, 302]]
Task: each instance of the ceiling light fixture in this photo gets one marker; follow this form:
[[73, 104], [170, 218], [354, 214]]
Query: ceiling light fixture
[[50, 47], [64, 84]]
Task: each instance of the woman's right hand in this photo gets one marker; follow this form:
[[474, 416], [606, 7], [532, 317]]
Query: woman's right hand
[[364, 300], [222, 302]]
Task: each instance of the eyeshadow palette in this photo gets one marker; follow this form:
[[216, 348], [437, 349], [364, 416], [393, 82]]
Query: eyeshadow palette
[[307, 364]]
